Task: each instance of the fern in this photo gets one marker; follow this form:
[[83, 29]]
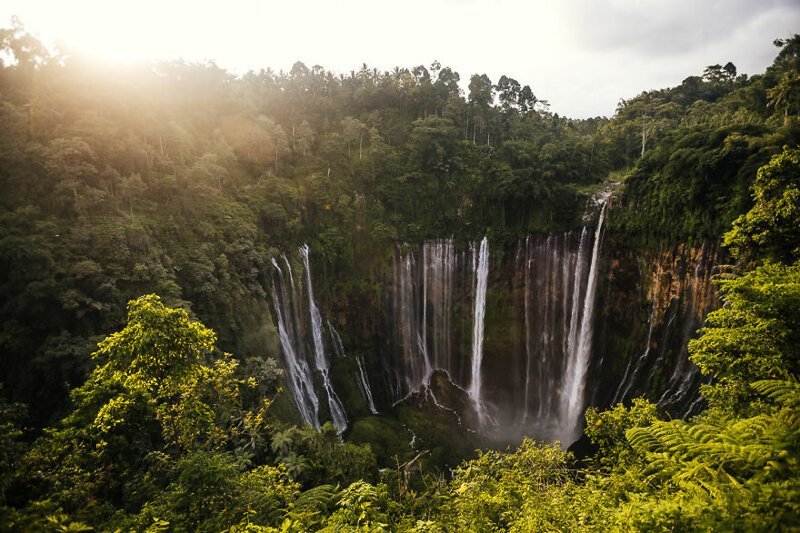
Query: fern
[[318, 499], [719, 457], [784, 392]]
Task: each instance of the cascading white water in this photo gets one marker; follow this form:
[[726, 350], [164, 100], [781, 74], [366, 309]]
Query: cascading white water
[[316, 320], [552, 292], [438, 270], [476, 386], [361, 375], [363, 385], [336, 341], [299, 374], [526, 303], [445, 287], [422, 299], [572, 399], [412, 367], [337, 410], [574, 321]]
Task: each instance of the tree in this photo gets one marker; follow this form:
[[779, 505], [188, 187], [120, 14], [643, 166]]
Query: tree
[[786, 95], [130, 188], [353, 130], [754, 336], [302, 137], [160, 391], [509, 93], [25, 50], [771, 229], [481, 96]]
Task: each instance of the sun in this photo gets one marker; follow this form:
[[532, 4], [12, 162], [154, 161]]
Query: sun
[[113, 31]]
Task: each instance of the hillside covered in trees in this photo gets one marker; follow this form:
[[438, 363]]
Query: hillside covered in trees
[[143, 386]]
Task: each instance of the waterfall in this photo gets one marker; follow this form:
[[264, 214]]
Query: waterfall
[[411, 370], [439, 313], [538, 333], [438, 270], [300, 363], [361, 376], [422, 312], [336, 341], [553, 288], [337, 410], [572, 400], [526, 303], [300, 379], [574, 321], [434, 300], [482, 273], [363, 385]]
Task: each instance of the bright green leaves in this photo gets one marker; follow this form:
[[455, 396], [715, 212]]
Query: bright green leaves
[[157, 341], [735, 471], [155, 369], [362, 507], [203, 405], [771, 229], [488, 493], [607, 429], [756, 335], [159, 392]]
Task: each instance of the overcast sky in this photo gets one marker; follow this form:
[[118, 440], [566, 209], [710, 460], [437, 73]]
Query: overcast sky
[[582, 56]]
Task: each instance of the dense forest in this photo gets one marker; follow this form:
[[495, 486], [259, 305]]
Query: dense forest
[[143, 386]]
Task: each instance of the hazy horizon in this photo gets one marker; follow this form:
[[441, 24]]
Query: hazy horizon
[[582, 57]]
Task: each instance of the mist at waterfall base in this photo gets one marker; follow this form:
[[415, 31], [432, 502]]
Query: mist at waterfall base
[[529, 370]]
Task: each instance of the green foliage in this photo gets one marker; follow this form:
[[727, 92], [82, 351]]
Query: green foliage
[[362, 507], [607, 429], [312, 507], [693, 151], [210, 491], [158, 395], [754, 336], [771, 229], [320, 457], [732, 472], [489, 492]]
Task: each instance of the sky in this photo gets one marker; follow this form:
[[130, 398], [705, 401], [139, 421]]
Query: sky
[[580, 55]]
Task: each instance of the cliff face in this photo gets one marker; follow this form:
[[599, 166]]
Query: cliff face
[[652, 303]]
